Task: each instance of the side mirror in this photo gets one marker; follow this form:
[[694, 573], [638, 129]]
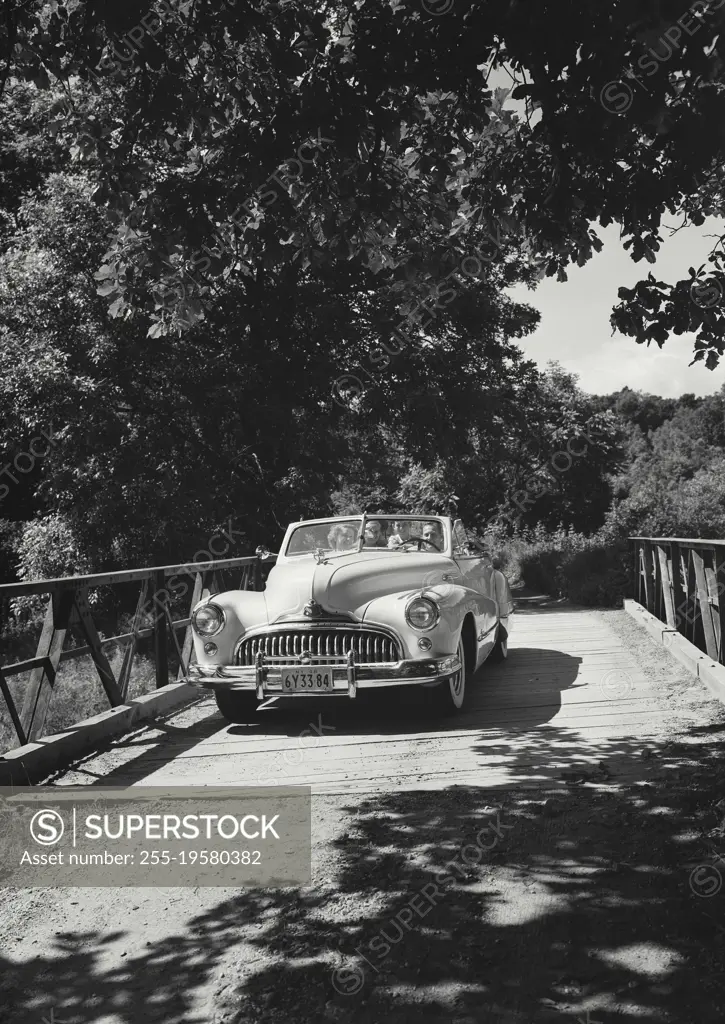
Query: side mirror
[[262, 552]]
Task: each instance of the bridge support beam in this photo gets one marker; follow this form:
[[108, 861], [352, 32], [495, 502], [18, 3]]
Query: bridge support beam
[[33, 762], [161, 644], [42, 678]]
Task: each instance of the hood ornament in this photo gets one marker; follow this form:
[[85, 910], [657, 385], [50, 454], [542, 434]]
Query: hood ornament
[[312, 610], [320, 557]]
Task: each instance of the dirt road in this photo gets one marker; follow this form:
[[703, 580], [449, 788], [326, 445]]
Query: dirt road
[[550, 854]]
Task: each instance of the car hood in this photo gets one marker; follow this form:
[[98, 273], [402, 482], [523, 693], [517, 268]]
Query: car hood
[[346, 584]]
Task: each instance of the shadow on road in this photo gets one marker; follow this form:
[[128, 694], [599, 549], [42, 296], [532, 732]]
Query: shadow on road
[[464, 905]]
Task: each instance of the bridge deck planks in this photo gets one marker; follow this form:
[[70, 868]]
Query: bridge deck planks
[[570, 697]]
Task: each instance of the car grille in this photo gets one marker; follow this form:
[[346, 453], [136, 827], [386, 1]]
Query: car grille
[[330, 645]]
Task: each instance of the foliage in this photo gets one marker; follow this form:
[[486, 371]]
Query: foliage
[[673, 482], [159, 444], [589, 570], [669, 482], [229, 141], [209, 214], [425, 490], [48, 548], [9, 537], [560, 476]]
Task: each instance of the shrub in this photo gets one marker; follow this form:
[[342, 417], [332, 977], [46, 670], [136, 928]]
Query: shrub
[[591, 571], [541, 568], [598, 576], [47, 549]]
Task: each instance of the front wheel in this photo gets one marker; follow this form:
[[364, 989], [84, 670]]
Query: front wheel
[[236, 706], [449, 698], [500, 650]]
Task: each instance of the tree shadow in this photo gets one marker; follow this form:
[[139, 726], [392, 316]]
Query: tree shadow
[[471, 906], [496, 691]]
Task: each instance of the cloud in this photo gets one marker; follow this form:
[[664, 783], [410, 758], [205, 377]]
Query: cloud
[[575, 328]]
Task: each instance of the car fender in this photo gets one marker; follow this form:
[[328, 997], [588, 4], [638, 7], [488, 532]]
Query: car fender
[[460, 601], [504, 600], [455, 603], [243, 610]]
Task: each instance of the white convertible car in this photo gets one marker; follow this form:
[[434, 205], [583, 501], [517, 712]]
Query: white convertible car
[[353, 603]]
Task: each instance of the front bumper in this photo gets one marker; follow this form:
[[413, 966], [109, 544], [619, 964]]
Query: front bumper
[[265, 678]]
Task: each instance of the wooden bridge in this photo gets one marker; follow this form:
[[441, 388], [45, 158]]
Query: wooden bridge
[[575, 695], [592, 749], [69, 613], [568, 671]]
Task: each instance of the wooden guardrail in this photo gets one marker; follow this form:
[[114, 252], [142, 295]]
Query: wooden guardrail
[[681, 581], [69, 609]]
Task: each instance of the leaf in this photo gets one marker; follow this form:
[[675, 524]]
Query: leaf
[[157, 330]]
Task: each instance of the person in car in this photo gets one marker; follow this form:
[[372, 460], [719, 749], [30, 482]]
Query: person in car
[[433, 533], [341, 538], [401, 533], [374, 535]]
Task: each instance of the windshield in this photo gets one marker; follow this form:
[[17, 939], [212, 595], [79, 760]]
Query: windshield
[[339, 535]]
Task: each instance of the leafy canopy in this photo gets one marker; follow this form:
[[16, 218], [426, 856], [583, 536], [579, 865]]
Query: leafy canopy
[[233, 139]]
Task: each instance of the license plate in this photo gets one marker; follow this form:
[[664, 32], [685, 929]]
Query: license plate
[[298, 681]]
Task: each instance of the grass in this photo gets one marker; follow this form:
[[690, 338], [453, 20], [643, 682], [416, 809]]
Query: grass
[[78, 694]]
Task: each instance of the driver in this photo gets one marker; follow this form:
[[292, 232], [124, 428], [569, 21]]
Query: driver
[[400, 534], [433, 533]]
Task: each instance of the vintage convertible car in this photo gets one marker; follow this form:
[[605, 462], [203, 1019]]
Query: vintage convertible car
[[352, 603]]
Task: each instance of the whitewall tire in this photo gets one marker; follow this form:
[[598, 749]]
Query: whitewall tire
[[449, 698]]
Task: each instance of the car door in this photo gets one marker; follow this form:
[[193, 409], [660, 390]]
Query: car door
[[476, 568]]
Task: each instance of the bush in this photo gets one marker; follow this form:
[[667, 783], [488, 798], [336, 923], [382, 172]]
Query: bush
[[47, 549], [597, 577], [591, 571], [541, 568]]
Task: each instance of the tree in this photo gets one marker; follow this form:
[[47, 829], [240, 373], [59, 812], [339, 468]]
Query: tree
[[648, 412], [238, 138], [671, 469], [562, 472], [160, 443]]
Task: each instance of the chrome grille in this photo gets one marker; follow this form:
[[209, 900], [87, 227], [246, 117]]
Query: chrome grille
[[327, 646]]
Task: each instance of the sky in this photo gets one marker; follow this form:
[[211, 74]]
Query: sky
[[575, 328]]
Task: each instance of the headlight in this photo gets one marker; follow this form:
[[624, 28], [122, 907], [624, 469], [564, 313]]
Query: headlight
[[208, 620], [422, 613]]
